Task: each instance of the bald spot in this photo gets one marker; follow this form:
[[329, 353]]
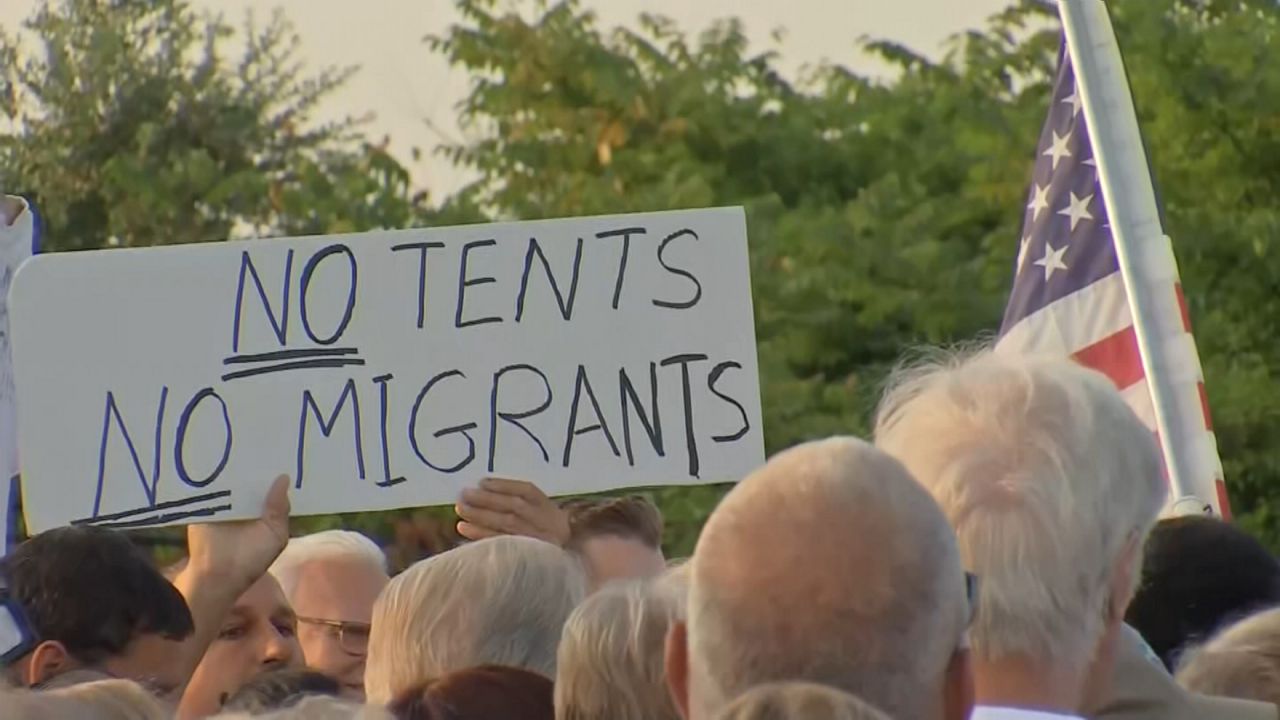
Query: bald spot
[[826, 556]]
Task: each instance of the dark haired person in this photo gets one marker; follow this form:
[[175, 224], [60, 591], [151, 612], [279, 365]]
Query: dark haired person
[[1199, 574], [99, 609]]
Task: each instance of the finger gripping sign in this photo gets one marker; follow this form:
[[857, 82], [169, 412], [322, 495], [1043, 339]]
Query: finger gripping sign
[[387, 369]]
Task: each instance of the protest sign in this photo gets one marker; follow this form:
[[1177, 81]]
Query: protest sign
[[18, 239], [385, 369]]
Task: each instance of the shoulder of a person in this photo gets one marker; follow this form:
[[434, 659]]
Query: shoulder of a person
[[1223, 708]]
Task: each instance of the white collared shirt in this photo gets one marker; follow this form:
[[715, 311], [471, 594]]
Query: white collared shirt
[[987, 712]]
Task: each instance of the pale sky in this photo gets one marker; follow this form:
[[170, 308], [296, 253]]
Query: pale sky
[[412, 93]]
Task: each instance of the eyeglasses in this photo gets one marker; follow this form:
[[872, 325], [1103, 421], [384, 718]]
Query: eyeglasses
[[353, 637]]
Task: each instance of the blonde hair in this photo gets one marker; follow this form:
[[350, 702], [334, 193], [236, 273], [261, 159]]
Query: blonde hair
[[500, 601], [1241, 662], [799, 701], [1047, 477], [98, 700], [611, 661]]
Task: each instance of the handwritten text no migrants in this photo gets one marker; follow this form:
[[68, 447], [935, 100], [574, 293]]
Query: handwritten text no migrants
[[385, 369]]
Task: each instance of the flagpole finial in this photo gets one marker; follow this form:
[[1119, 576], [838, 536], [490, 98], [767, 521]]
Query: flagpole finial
[[1190, 506]]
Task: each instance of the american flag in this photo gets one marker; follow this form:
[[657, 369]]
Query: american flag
[[1069, 296]]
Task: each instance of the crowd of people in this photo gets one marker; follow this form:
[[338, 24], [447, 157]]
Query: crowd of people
[[992, 553]]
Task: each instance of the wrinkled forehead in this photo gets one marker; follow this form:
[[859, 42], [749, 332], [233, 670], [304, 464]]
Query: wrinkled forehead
[[263, 599]]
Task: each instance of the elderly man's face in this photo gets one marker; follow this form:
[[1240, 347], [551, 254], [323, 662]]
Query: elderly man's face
[[334, 601], [612, 557], [258, 635]]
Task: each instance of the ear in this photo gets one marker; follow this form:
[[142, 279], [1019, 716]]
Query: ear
[[957, 693], [49, 660], [1122, 579], [677, 665]]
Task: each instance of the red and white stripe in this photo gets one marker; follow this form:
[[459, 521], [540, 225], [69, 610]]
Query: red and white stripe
[[1095, 326]]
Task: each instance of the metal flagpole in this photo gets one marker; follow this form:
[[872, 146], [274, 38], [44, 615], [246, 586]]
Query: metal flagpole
[[1130, 200]]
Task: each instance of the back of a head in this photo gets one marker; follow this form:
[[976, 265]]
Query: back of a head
[[499, 601], [799, 701], [116, 700], [610, 665], [832, 565], [1241, 662], [100, 700], [1047, 477], [281, 689], [488, 692], [1199, 574], [631, 517], [324, 545], [94, 591]]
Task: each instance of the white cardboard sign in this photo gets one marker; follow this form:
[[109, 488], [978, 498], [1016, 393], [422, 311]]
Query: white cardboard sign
[[387, 369]]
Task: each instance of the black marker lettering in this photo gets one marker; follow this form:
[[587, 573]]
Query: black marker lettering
[[179, 442], [580, 384], [326, 426], [465, 282], [715, 374], [697, 286], [387, 480], [625, 234], [566, 305], [515, 417], [148, 488], [690, 437], [310, 268], [464, 429], [280, 326], [422, 248], [654, 429]]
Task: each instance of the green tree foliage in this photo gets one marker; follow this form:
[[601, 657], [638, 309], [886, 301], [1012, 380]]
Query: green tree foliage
[[883, 213], [143, 123], [135, 127]]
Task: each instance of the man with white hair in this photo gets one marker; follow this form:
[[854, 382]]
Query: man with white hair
[[499, 601], [1052, 484], [830, 565], [332, 579]]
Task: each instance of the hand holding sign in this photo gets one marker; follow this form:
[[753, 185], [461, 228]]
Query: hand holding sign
[[389, 369], [241, 552], [511, 507]]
